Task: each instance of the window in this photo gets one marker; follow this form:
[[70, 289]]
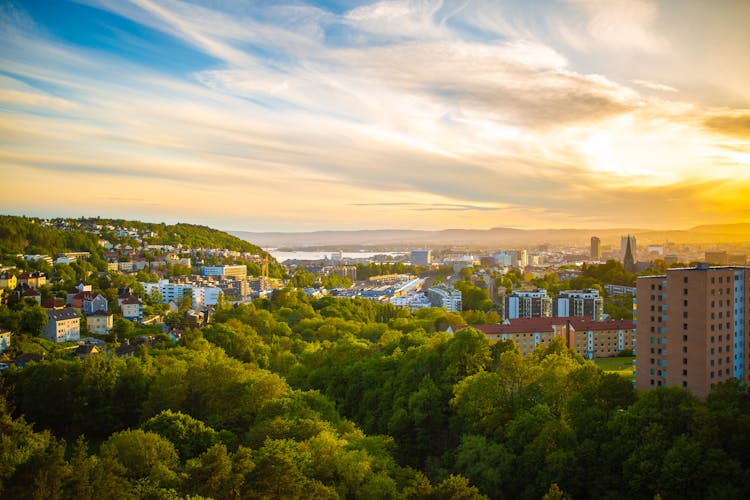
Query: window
[[684, 373], [684, 338], [685, 279], [684, 383], [684, 291], [684, 303], [684, 326]]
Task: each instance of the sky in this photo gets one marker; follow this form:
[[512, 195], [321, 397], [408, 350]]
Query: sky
[[302, 116]]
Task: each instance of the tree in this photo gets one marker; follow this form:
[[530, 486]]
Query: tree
[[190, 436], [145, 455], [33, 320]]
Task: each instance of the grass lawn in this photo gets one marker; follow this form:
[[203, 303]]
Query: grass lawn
[[621, 364]]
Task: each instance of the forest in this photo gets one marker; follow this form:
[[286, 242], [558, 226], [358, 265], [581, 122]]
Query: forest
[[290, 397]]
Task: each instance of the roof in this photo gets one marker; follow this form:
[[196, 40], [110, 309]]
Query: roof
[[87, 295], [125, 349], [99, 313], [130, 299], [62, 314], [590, 324], [29, 356], [522, 325], [52, 302], [87, 349], [534, 325]]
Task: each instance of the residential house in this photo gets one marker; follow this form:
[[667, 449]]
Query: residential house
[[100, 322], [30, 293], [62, 325], [89, 302], [86, 350], [125, 350], [132, 307], [53, 303], [8, 280], [4, 339], [32, 280], [22, 360]]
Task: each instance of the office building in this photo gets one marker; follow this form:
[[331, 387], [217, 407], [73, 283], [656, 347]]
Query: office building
[[421, 257], [578, 303], [691, 326], [528, 304], [596, 248]]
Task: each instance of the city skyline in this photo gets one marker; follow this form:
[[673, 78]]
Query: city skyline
[[310, 116]]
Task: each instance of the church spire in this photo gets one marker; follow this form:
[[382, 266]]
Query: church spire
[[628, 262]]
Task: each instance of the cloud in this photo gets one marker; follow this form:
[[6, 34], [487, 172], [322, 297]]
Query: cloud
[[619, 25], [655, 86], [435, 207], [735, 124], [396, 111]]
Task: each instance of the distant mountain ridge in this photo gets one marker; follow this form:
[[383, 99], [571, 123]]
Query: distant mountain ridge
[[499, 236]]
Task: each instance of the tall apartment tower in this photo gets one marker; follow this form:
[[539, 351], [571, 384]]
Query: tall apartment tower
[[692, 328], [596, 248], [578, 303], [528, 304]]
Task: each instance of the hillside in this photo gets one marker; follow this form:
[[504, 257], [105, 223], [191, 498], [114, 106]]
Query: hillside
[[33, 236]]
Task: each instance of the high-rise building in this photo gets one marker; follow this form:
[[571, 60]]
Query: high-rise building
[[577, 303], [421, 257], [523, 258], [692, 328], [596, 248], [528, 304]]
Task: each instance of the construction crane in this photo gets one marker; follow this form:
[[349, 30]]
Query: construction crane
[[265, 283]]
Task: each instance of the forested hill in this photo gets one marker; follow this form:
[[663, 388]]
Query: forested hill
[[37, 236]]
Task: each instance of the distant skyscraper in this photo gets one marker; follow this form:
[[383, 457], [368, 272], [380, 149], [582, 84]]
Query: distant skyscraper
[[523, 258], [421, 257], [628, 262], [596, 248]]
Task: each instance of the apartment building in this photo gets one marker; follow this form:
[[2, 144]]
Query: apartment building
[[528, 304], [590, 338], [692, 325], [578, 303]]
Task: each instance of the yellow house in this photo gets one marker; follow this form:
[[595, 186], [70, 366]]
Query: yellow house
[[100, 322], [8, 280]]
